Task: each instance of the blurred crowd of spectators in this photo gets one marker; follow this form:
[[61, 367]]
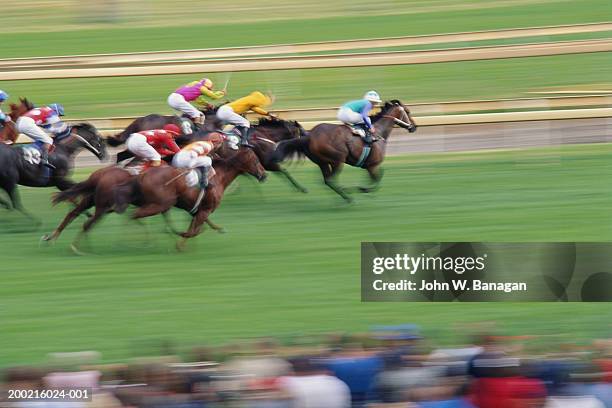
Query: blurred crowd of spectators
[[389, 367]]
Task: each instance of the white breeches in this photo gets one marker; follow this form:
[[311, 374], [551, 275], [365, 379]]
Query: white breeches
[[28, 127], [186, 159], [348, 116], [138, 145], [178, 102], [227, 114]]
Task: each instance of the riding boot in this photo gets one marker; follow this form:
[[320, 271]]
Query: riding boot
[[44, 157], [203, 173], [199, 121], [244, 135], [367, 139]]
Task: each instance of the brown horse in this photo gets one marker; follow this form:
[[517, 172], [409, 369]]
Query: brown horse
[[113, 188], [159, 189], [330, 146]]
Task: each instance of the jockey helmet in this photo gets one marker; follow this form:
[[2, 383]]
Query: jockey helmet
[[3, 96], [57, 108], [172, 128], [372, 96], [207, 83]]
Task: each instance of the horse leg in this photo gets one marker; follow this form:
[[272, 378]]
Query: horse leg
[[100, 212], [375, 173], [329, 171], [169, 226], [149, 210], [86, 203], [64, 184], [4, 203], [275, 167], [214, 226], [194, 228], [13, 193]]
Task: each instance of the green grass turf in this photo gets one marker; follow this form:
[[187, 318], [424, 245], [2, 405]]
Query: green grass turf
[[290, 262], [131, 96], [213, 32]]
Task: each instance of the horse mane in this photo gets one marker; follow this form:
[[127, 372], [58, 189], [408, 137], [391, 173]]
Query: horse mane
[[383, 111], [211, 108], [278, 123], [29, 105]]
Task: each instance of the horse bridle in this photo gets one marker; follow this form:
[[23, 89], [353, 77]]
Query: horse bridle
[[400, 121], [85, 142]]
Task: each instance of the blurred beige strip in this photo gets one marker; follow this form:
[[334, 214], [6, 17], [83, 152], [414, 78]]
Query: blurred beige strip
[[144, 58], [326, 61]]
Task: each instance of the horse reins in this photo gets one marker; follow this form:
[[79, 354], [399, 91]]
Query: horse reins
[[397, 121], [85, 142]]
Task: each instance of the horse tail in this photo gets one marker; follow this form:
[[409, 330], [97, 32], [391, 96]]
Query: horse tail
[[286, 148], [124, 194], [79, 189]]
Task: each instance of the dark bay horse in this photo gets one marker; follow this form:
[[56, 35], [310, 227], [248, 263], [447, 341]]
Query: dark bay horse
[[155, 191], [156, 121], [264, 137], [21, 164], [330, 146]]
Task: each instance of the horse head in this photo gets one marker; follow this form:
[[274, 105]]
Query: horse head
[[20, 109], [246, 161], [395, 109], [88, 137]]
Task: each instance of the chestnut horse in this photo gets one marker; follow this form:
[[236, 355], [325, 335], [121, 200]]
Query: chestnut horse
[[114, 188], [330, 146]]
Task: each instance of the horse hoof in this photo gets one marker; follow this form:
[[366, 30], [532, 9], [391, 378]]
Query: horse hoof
[[365, 189], [76, 250], [46, 239], [303, 190], [222, 231], [180, 246]]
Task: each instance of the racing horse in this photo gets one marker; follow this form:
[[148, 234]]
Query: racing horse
[[155, 191], [156, 121], [330, 146], [20, 165], [264, 137]]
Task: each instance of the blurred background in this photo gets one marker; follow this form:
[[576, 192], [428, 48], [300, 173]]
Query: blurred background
[[269, 314]]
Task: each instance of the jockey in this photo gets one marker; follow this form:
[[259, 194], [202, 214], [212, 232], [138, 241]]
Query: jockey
[[151, 145], [40, 123], [355, 113], [3, 97], [196, 91], [253, 102], [195, 156]]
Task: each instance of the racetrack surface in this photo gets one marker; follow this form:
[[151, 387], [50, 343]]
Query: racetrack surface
[[289, 263], [490, 136], [142, 58]]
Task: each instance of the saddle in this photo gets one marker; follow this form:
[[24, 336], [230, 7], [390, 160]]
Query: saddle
[[355, 130], [31, 154], [136, 166], [187, 125]]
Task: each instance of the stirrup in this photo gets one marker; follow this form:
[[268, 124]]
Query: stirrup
[[198, 202], [49, 165]]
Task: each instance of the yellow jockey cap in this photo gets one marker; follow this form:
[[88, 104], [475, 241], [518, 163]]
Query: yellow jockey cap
[[207, 83]]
